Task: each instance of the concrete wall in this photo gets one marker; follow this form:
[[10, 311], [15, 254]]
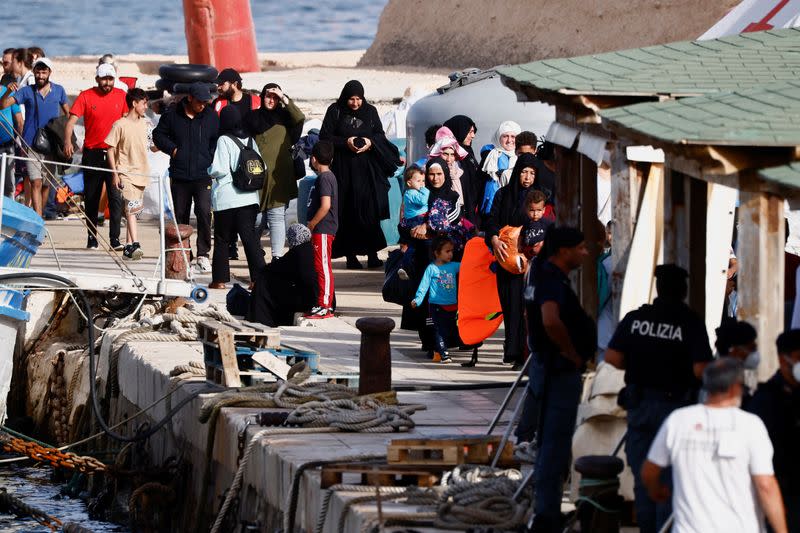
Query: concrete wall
[[477, 33]]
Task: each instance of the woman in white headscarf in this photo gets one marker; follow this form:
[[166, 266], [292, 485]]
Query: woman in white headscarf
[[499, 162]]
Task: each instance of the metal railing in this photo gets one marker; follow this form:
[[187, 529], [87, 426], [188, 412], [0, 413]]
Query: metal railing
[[162, 203]]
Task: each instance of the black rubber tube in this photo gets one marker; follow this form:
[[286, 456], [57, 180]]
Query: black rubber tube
[[188, 73], [87, 308]]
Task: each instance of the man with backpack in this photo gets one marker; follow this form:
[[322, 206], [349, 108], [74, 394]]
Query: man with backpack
[[238, 174], [188, 132]]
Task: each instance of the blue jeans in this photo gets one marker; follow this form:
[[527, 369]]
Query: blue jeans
[[273, 219], [558, 395], [644, 421], [444, 323]]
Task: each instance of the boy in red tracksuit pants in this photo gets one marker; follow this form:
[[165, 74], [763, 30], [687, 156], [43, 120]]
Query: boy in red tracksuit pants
[[323, 208]]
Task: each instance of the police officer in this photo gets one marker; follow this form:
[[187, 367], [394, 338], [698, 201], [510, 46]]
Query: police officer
[[663, 348], [563, 337], [777, 403]]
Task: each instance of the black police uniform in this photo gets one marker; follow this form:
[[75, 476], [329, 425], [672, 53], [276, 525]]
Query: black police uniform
[[555, 383], [777, 403], [661, 342]]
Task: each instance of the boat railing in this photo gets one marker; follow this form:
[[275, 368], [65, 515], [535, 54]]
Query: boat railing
[[158, 282]]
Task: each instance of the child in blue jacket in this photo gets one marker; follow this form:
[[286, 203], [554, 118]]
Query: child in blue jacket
[[440, 283]]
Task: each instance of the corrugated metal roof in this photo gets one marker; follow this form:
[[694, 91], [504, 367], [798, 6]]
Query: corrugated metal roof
[[680, 69], [764, 116]]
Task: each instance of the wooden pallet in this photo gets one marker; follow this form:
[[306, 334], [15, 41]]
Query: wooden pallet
[[382, 475], [449, 451], [220, 340]]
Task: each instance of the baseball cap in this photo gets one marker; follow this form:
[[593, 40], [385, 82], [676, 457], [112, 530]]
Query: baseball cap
[[105, 70], [229, 75], [43, 61], [200, 91]]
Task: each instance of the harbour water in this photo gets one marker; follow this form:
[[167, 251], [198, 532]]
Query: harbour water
[[35, 487], [94, 27]]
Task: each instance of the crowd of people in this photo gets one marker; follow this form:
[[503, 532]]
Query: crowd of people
[[230, 156]]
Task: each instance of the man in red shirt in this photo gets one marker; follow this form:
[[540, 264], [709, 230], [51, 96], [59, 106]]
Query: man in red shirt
[[100, 107]]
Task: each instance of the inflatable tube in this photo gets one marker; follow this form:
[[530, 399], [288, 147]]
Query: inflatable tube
[[183, 88], [479, 312], [164, 85], [188, 73]]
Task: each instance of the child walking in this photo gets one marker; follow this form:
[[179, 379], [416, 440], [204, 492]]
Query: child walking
[[415, 198], [440, 283], [127, 158], [323, 205]]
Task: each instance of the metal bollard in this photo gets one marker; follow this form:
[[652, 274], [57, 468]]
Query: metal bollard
[[177, 256], [375, 357]]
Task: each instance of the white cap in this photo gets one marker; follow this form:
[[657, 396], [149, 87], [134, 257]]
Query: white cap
[[43, 61], [105, 70]]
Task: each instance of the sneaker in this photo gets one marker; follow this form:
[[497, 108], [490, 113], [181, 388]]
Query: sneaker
[[203, 264], [402, 274], [319, 312], [116, 245], [133, 251], [91, 243], [445, 358]]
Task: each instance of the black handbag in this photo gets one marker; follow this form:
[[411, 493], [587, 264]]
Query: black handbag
[[41, 141], [396, 290]]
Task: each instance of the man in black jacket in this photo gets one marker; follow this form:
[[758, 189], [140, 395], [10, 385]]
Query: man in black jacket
[[188, 133]]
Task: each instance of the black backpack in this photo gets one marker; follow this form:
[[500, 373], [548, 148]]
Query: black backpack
[[251, 171]]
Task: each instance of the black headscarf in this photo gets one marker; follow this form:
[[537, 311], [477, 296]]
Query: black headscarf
[[460, 126], [525, 160], [230, 122], [350, 89], [445, 192], [260, 120]]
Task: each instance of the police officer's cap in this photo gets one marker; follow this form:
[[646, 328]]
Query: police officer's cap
[[671, 272]]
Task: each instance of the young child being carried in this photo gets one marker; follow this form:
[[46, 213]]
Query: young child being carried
[[532, 236], [440, 283], [415, 199]]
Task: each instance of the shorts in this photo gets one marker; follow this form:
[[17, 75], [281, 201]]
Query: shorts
[[37, 170], [132, 197]]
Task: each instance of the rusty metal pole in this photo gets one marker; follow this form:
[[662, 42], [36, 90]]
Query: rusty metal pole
[[375, 357]]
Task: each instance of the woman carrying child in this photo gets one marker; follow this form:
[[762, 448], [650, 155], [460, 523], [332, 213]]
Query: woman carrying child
[[509, 209]]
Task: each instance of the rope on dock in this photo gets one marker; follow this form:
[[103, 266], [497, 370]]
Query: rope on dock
[[10, 503]]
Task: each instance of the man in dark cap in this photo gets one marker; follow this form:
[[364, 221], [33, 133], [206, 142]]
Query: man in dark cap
[[777, 403], [229, 87], [188, 132], [663, 348], [562, 338]]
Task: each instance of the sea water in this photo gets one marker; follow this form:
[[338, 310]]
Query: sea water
[[34, 487], [95, 27]]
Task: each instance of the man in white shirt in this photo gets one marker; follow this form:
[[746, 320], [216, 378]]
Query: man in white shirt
[[721, 460]]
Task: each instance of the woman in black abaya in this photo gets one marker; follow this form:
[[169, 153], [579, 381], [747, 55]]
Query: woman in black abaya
[[472, 181], [362, 163]]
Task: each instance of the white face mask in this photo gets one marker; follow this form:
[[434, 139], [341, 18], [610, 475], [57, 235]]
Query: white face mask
[[752, 360], [795, 369]]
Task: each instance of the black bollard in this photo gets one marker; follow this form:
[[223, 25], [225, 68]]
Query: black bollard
[[375, 357]]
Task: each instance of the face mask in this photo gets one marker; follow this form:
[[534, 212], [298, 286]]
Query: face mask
[[752, 360], [795, 369]]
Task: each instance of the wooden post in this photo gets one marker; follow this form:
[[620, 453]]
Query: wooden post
[[568, 186], [624, 205], [676, 218], [761, 271], [375, 357], [698, 211], [593, 231]]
